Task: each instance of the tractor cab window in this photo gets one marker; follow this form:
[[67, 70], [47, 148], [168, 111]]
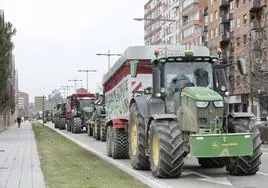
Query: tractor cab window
[[180, 75], [87, 103]]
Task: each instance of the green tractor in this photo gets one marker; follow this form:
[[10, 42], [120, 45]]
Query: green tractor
[[184, 112], [48, 116], [97, 125], [56, 116]]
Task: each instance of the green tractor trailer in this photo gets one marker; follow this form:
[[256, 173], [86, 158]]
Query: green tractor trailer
[[185, 111]]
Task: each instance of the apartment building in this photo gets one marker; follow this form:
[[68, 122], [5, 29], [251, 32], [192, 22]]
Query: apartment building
[[239, 28], [174, 22]]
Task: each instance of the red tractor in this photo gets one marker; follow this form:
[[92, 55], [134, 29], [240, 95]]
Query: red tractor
[[80, 108]]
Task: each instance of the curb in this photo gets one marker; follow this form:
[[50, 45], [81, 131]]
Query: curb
[[143, 178]]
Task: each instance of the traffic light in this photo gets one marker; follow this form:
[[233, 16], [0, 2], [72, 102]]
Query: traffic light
[[241, 64]]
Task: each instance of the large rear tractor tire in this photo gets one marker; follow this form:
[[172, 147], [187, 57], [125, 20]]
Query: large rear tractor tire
[[119, 144], [96, 132], [137, 142], [211, 162], [77, 125], [109, 141], [56, 124], [102, 129], [247, 165], [166, 149]]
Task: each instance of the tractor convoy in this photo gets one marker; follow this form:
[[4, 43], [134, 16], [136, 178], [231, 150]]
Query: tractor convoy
[[161, 103]]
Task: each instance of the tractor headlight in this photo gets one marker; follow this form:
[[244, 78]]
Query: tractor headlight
[[163, 90], [223, 88], [158, 95], [218, 103], [201, 104]]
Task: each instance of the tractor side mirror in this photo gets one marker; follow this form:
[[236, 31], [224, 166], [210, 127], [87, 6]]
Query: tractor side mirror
[[133, 68], [241, 63]]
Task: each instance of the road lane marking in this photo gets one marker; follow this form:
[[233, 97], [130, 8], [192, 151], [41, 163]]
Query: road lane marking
[[262, 173], [222, 181]]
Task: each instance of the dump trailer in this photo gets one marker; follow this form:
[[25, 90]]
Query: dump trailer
[[80, 108], [119, 89], [97, 123], [183, 112]]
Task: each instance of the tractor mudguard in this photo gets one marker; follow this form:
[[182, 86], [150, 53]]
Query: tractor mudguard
[[142, 105]]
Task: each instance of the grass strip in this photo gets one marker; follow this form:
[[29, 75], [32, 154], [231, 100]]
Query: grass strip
[[67, 165]]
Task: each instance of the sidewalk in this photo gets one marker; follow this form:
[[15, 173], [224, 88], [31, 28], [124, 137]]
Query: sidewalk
[[19, 160]]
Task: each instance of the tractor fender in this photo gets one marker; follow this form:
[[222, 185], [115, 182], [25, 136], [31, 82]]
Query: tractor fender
[[117, 123], [142, 105]]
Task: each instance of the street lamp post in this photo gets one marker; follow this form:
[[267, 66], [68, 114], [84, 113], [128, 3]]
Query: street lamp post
[[75, 80], [87, 71], [109, 55], [66, 89]]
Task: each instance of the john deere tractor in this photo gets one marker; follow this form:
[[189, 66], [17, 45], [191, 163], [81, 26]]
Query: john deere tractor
[[184, 112], [97, 122]]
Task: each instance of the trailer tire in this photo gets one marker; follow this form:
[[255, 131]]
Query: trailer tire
[[109, 140], [96, 129], [166, 149], [216, 162], [77, 126], [119, 144], [102, 130], [137, 142], [247, 165]]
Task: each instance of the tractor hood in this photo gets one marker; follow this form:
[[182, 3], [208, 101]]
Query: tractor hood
[[201, 94], [88, 109]]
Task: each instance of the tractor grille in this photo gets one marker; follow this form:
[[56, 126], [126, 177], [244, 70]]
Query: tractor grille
[[207, 115]]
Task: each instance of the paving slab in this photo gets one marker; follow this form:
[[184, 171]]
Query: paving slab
[[19, 160]]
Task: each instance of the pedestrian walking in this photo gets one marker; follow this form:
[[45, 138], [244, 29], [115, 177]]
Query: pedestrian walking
[[19, 121]]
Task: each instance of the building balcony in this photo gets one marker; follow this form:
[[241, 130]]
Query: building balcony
[[255, 5], [205, 28], [230, 16], [224, 37], [230, 35], [223, 19], [224, 4], [253, 26]]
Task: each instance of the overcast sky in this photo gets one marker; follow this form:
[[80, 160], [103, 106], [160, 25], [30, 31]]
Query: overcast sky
[[55, 38]]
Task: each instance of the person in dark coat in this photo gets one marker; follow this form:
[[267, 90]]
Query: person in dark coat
[[19, 121]]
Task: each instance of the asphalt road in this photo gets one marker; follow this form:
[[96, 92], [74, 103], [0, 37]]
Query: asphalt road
[[193, 175]]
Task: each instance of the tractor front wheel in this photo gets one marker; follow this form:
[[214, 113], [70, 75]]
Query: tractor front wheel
[[77, 125], [166, 149], [96, 133], [247, 165], [69, 125], [137, 140], [119, 144], [211, 162]]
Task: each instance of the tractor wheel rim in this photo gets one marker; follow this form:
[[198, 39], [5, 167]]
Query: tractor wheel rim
[[134, 139], [155, 149]]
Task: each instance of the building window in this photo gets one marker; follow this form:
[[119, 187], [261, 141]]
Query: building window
[[216, 15], [238, 41], [211, 17], [231, 5], [245, 18], [216, 32], [237, 24], [245, 39], [211, 34], [237, 3], [244, 1]]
